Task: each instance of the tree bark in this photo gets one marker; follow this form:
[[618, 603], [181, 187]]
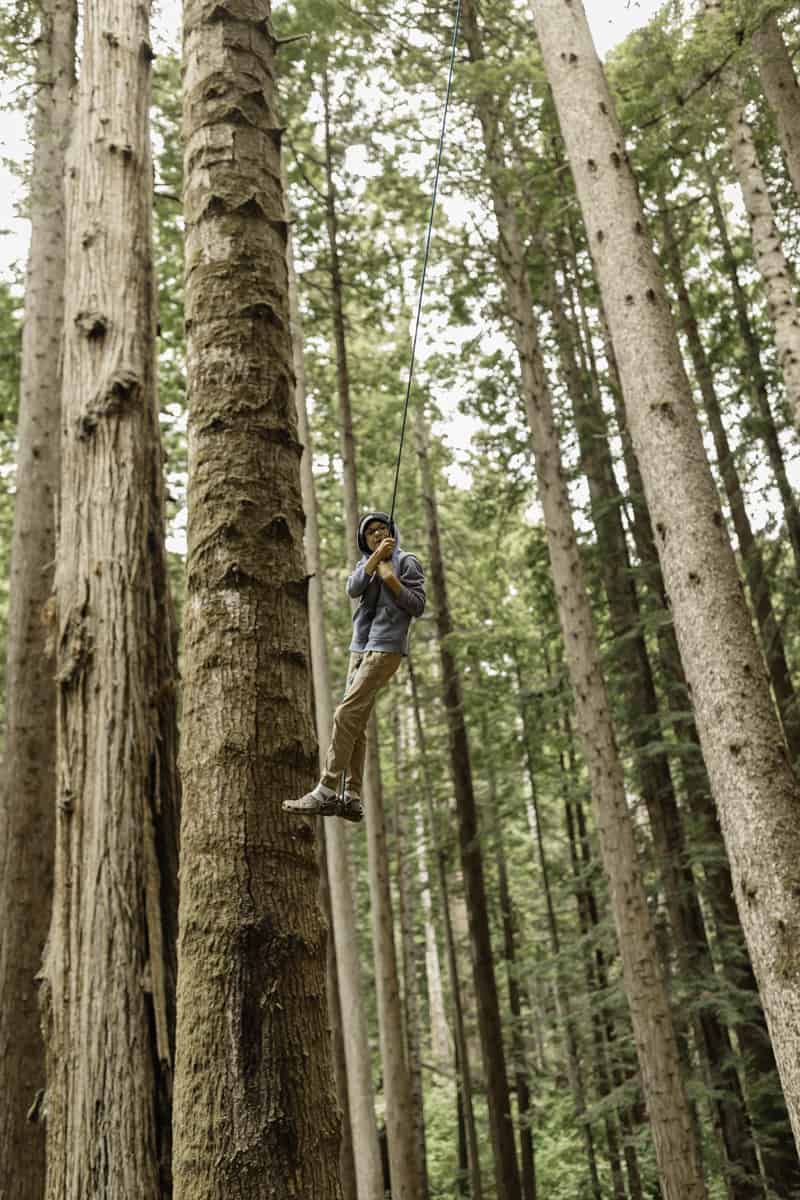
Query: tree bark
[[781, 89], [756, 793], [493, 1053], [752, 559], [255, 1107], [109, 967], [776, 274], [29, 784], [358, 1096]]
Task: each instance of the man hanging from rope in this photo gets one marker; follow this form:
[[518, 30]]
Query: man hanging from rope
[[390, 586]]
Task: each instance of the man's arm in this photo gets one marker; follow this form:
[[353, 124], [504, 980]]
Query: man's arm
[[361, 578], [409, 589]]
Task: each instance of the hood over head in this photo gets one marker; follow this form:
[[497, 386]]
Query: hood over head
[[361, 537]]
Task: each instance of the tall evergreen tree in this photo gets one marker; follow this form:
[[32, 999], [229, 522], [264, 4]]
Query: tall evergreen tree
[[109, 969], [754, 787], [255, 1110], [29, 781]]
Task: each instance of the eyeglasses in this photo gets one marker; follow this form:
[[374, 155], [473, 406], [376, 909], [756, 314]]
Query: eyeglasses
[[373, 529]]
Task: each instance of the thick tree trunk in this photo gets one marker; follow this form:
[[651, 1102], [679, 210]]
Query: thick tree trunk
[[109, 970], [652, 1022], [489, 1024], [29, 783], [752, 559], [776, 274], [759, 386], [781, 89], [255, 1106], [358, 1096], [756, 793]]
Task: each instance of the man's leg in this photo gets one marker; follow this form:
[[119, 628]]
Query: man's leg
[[348, 744]]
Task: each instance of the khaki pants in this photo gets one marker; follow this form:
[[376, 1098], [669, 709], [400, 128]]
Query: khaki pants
[[368, 674]]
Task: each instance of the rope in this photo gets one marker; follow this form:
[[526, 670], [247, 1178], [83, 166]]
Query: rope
[[425, 260]]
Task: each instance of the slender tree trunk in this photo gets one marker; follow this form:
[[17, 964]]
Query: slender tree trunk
[[601, 1071], [29, 783], [563, 1003], [752, 559], [255, 1106], [493, 1053], [781, 89], [358, 1098], [763, 420], [652, 1022], [776, 274], [508, 923], [406, 911], [348, 443], [441, 1035], [466, 1116], [109, 968], [756, 793], [396, 1079], [347, 1162], [397, 1085]]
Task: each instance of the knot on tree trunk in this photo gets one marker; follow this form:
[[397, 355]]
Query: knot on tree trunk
[[120, 390]]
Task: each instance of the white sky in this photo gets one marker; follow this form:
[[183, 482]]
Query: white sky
[[611, 21]]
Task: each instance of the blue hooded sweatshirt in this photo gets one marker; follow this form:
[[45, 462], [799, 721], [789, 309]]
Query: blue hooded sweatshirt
[[382, 620]]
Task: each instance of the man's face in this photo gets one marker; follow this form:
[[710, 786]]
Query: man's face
[[376, 531]]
